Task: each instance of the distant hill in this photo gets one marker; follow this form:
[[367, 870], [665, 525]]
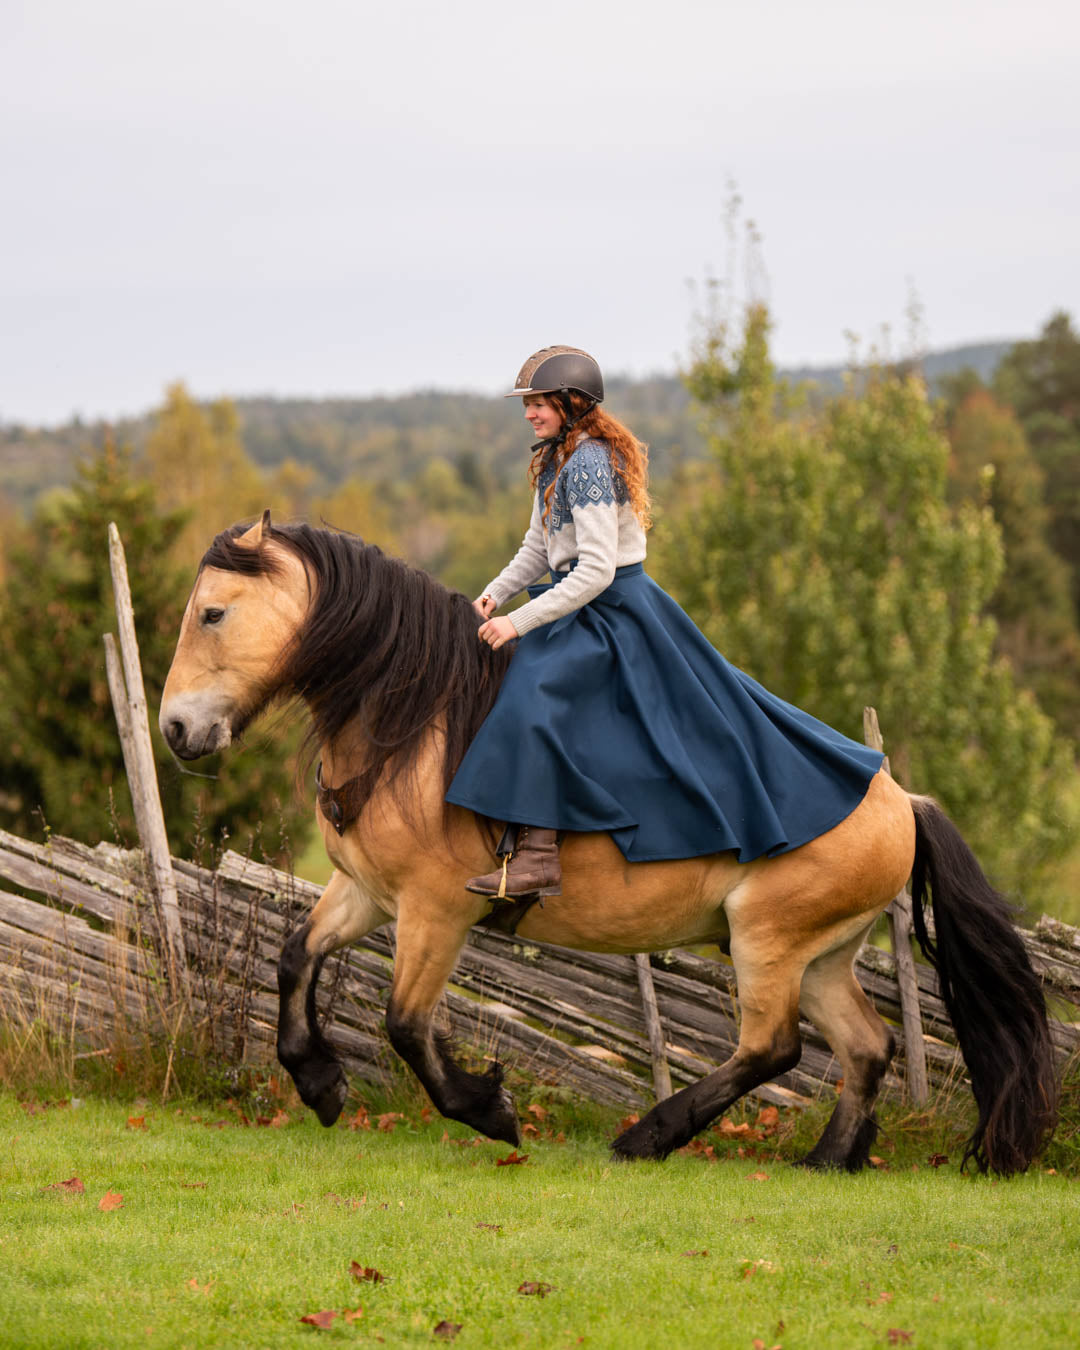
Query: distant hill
[[390, 438]]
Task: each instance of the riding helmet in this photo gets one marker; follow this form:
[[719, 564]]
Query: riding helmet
[[557, 370]]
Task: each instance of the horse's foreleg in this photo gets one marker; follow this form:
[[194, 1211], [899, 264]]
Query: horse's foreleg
[[342, 914], [428, 944], [833, 1001], [769, 1045]]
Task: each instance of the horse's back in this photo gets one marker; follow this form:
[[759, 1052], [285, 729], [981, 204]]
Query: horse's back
[[850, 872]]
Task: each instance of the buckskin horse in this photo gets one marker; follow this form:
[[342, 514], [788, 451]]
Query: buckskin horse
[[387, 662]]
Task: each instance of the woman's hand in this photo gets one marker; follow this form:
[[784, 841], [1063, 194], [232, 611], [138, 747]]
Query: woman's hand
[[497, 631], [485, 607]]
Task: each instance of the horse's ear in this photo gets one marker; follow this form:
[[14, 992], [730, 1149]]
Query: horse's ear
[[253, 538]]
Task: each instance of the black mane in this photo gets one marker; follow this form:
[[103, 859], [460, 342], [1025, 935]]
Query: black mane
[[385, 646]]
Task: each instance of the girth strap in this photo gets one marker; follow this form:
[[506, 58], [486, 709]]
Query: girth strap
[[340, 805]]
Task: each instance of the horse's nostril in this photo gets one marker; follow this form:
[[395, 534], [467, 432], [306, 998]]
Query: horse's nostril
[[175, 733]]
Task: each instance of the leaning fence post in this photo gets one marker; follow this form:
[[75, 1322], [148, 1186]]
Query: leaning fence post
[[900, 928], [129, 704], [660, 1072]]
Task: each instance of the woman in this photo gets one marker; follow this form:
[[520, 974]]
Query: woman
[[616, 713]]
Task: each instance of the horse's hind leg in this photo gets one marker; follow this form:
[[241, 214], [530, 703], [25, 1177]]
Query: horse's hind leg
[[429, 940], [342, 914], [863, 1044], [769, 1045]]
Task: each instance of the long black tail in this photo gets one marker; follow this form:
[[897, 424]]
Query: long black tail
[[992, 993]]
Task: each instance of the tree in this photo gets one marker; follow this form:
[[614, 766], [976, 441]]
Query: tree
[[818, 552], [991, 463], [196, 460], [60, 755], [1040, 380]]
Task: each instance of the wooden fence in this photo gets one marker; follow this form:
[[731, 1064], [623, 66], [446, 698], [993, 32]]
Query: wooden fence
[[90, 963]]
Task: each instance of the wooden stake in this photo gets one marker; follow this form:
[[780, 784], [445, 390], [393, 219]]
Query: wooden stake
[[129, 703], [657, 1051], [900, 930]]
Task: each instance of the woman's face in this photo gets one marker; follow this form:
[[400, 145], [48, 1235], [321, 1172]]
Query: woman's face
[[544, 417]]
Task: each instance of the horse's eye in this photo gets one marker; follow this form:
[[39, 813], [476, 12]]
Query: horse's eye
[[213, 615]]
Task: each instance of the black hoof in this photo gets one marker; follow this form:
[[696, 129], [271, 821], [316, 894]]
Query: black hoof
[[640, 1141], [503, 1124], [324, 1089]]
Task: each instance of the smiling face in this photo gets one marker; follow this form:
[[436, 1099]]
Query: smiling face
[[544, 417]]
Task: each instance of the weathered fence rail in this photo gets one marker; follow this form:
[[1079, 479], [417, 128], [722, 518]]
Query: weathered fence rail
[[88, 962]]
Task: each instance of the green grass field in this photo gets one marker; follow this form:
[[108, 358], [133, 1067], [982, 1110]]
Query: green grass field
[[227, 1235]]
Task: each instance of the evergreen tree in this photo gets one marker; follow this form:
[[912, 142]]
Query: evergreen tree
[[1041, 381], [60, 759], [818, 552]]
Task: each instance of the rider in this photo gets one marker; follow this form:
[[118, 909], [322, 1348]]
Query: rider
[[616, 713]]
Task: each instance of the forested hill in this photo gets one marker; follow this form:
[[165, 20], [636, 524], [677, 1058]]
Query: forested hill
[[390, 439]]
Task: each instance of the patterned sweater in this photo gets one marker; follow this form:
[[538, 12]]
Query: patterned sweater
[[591, 520]]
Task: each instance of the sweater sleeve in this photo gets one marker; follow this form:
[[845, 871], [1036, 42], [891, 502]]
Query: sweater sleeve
[[596, 528], [527, 565]]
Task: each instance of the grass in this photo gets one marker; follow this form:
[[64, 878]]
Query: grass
[[229, 1235]]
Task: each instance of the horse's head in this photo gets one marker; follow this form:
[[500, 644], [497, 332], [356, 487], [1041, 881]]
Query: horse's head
[[241, 621]]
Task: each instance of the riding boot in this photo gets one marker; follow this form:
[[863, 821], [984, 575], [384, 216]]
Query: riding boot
[[532, 869]]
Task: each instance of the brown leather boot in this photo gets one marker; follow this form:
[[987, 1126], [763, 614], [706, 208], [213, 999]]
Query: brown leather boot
[[532, 869]]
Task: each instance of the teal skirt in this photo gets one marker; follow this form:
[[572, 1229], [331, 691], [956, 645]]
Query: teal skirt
[[622, 717]]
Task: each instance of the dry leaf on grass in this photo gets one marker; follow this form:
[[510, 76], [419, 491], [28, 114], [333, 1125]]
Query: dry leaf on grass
[[537, 1112], [512, 1159], [323, 1319], [73, 1186], [446, 1331], [938, 1159], [758, 1176], [535, 1287], [111, 1200], [368, 1273], [388, 1122], [136, 1122]]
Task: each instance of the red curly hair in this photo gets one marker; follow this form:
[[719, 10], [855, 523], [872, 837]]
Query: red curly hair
[[629, 456]]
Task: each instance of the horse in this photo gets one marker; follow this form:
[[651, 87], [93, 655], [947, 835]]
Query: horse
[[388, 664]]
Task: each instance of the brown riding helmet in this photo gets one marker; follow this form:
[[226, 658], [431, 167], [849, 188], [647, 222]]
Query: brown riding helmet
[[557, 370]]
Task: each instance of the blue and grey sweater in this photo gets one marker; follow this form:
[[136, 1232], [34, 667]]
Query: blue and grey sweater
[[591, 521]]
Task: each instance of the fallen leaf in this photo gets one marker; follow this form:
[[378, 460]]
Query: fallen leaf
[[704, 1252], [73, 1186], [938, 1159], [751, 1268], [425, 1116], [883, 1297], [627, 1121], [198, 1288], [1051, 1171], [136, 1122], [352, 1314], [535, 1287], [758, 1176], [369, 1273], [111, 1200], [879, 1163], [323, 1319], [512, 1159], [360, 1121], [898, 1337], [530, 1131], [388, 1122], [768, 1118], [537, 1112], [491, 1227], [759, 1344], [193, 1185], [446, 1331]]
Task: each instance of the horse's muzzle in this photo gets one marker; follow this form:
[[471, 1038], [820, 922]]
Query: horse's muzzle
[[192, 731]]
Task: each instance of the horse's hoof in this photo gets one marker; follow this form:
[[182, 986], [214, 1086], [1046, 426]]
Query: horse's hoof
[[324, 1090], [639, 1141], [504, 1121]]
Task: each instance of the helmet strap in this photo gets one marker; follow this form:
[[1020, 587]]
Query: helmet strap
[[552, 443]]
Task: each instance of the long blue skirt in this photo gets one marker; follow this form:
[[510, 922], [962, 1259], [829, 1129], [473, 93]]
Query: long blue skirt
[[622, 717]]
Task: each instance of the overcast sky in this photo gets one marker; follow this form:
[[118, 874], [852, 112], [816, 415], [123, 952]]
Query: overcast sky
[[345, 197]]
